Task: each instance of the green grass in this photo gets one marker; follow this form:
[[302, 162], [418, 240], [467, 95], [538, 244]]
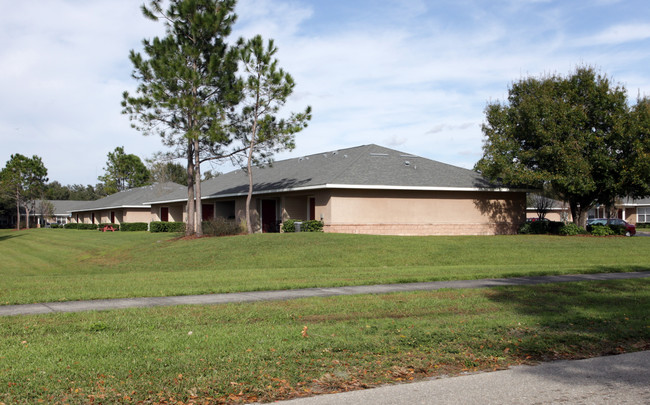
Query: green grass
[[248, 352], [58, 265]]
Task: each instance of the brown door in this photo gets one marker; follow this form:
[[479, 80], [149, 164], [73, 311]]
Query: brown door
[[164, 214], [268, 216], [312, 208], [208, 212], [112, 217]]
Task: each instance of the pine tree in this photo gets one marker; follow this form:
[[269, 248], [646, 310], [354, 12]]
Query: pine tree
[[187, 81]]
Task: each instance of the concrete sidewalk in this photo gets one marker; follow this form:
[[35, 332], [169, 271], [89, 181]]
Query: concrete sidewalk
[[211, 299], [622, 379]]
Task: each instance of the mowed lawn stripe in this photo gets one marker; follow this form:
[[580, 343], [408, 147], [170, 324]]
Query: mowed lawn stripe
[[56, 265]]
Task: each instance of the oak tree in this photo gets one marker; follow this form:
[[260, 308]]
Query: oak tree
[[575, 135], [23, 179]]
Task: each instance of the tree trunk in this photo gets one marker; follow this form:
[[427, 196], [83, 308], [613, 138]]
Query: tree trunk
[[17, 210], [578, 213], [189, 229], [249, 196], [197, 190]]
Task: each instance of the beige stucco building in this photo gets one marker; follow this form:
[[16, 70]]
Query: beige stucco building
[[367, 189]]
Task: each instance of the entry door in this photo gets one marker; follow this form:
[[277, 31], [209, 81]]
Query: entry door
[[208, 212], [164, 214], [268, 216]]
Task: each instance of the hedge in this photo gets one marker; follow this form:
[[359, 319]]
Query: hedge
[[163, 226], [134, 226], [81, 226], [223, 227]]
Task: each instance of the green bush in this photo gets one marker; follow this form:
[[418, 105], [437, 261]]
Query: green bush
[[643, 225], [541, 228], [222, 227], [307, 226], [312, 226], [288, 225], [571, 229], [80, 226], [618, 229], [163, 226], [134, 226], [54, 226], [601, 230]]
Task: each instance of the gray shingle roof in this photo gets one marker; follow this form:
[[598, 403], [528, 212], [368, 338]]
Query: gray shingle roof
[[367, 166], [132, 198], [63, 207], [633, 202]]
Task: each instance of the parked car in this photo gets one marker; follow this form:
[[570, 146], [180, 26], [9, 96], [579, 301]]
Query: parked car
[[630, 229]]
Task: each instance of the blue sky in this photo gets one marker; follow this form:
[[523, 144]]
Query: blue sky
[[410, 75]]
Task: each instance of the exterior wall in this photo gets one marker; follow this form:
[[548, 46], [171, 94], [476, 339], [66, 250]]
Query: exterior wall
[[240, 212], [137, 215], [630, 215], [423, 213], [295, 207], [554, 215]]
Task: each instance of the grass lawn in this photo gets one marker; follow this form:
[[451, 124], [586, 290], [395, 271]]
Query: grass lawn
[[57, 265], [276, 350]]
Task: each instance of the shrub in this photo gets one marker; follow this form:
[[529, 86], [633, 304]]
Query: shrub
[[162, 226], [80, 226], [312, 226], [289, 226], [541, 228], [134, 226], [307, 226], [222, 227], [54, 226], [571, 229], [618, 229], [643, 225], [601, 230]]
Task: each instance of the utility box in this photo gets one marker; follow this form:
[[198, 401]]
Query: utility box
[[296, 226]]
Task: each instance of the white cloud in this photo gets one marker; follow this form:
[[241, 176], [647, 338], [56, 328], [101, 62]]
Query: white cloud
[[414, 75], [619, 34]]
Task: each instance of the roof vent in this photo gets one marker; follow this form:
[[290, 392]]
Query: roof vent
[[407, 163], [336, 152], [378, 154], [345, 156]]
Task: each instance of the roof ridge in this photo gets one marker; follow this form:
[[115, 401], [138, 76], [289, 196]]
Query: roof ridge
[[352, 161]]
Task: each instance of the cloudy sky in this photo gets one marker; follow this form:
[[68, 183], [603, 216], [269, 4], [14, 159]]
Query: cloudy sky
[[414, 75]]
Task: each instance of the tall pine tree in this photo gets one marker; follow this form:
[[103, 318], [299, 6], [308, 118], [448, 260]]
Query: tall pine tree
[[187, 81]]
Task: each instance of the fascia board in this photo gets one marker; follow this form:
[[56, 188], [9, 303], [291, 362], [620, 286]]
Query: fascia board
[[362, 187], [110, 208]]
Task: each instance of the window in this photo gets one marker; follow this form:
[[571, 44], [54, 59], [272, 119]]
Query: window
[[642, 214]]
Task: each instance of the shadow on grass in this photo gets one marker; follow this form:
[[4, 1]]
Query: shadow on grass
[[578, 320], [9, 236]]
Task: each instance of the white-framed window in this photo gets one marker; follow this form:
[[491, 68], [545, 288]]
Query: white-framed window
[[642, 215]]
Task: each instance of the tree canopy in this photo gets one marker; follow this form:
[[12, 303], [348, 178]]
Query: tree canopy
[[187, 81], [575, 134], [23, 179], [256, 127], [124, 171]]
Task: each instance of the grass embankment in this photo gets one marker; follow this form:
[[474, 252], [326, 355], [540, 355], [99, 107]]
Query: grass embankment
[[268, 351], [59, 265]]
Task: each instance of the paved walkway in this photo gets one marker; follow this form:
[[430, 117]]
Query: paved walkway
[[622, 379], [211, 299]]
